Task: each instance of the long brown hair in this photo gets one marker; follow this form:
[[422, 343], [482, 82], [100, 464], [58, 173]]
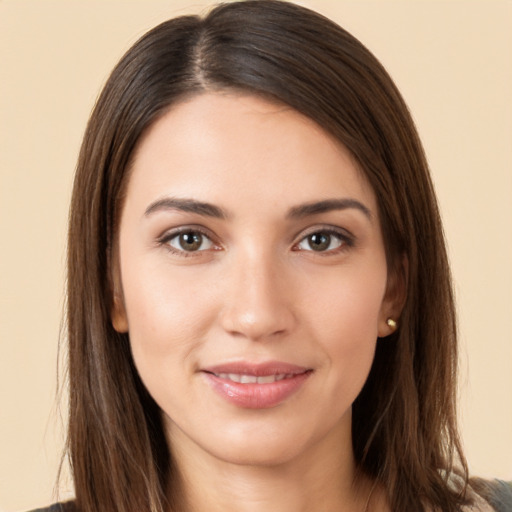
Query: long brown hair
[[404, 421]]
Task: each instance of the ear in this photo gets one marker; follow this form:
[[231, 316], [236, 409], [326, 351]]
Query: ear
[[118, 315], [394, 298]]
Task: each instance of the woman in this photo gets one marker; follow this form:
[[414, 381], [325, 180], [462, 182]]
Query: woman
[[260, 313]]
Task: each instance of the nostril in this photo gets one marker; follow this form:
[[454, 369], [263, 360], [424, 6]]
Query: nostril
[[257, 324]]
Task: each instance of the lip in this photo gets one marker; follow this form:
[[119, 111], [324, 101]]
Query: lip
[[256, 395]]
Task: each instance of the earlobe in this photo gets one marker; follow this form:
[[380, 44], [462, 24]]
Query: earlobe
[[118, 316], [391, 323], [387, 327], [394, 300]]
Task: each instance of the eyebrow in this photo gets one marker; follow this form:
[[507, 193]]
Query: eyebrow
[[186, 205], [297, 212], [328, 205]]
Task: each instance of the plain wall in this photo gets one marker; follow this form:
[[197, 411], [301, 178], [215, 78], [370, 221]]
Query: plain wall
[[452, 60]]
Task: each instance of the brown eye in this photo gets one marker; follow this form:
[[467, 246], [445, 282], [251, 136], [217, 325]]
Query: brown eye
[[190, 241], [321, 241]]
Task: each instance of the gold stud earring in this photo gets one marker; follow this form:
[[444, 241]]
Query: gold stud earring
[[392, 324]]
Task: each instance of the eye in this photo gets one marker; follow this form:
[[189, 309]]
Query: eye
[[189, 241], [323, 241]]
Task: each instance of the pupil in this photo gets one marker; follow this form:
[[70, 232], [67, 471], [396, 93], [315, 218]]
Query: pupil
[[190, 241], [319, 242]]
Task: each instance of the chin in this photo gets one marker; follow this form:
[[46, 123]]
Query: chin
[[262, 444], [259, 454]]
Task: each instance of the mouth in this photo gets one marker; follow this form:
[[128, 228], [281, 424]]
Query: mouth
[[254, 379], [256, 386]]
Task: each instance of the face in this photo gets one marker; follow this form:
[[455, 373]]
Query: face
[[252, 279]]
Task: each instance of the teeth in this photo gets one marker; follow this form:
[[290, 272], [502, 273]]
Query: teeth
[[267, 379], [253, 379]]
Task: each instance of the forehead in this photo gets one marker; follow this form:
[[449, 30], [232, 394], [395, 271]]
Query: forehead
[[240, 149]]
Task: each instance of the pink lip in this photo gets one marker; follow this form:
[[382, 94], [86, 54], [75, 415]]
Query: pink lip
[[256, 395]]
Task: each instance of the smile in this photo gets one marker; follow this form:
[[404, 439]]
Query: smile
[[253, 379], [256, 386]]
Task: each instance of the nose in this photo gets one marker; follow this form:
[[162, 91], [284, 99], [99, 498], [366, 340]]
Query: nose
[[258, 303]]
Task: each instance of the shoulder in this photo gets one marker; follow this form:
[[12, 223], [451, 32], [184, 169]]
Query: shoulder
[[68, 506], [496, 494]]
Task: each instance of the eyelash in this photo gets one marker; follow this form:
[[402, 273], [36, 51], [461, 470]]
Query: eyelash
[[193, 230], [346, 241]]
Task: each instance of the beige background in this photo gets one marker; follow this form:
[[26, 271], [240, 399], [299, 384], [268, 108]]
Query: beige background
[[451, 59]]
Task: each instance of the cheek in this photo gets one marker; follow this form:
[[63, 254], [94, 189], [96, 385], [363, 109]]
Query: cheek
[[347, 306], [168, 312], [345, 317]]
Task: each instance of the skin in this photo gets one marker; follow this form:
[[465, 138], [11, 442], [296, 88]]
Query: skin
[[253, 290]]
